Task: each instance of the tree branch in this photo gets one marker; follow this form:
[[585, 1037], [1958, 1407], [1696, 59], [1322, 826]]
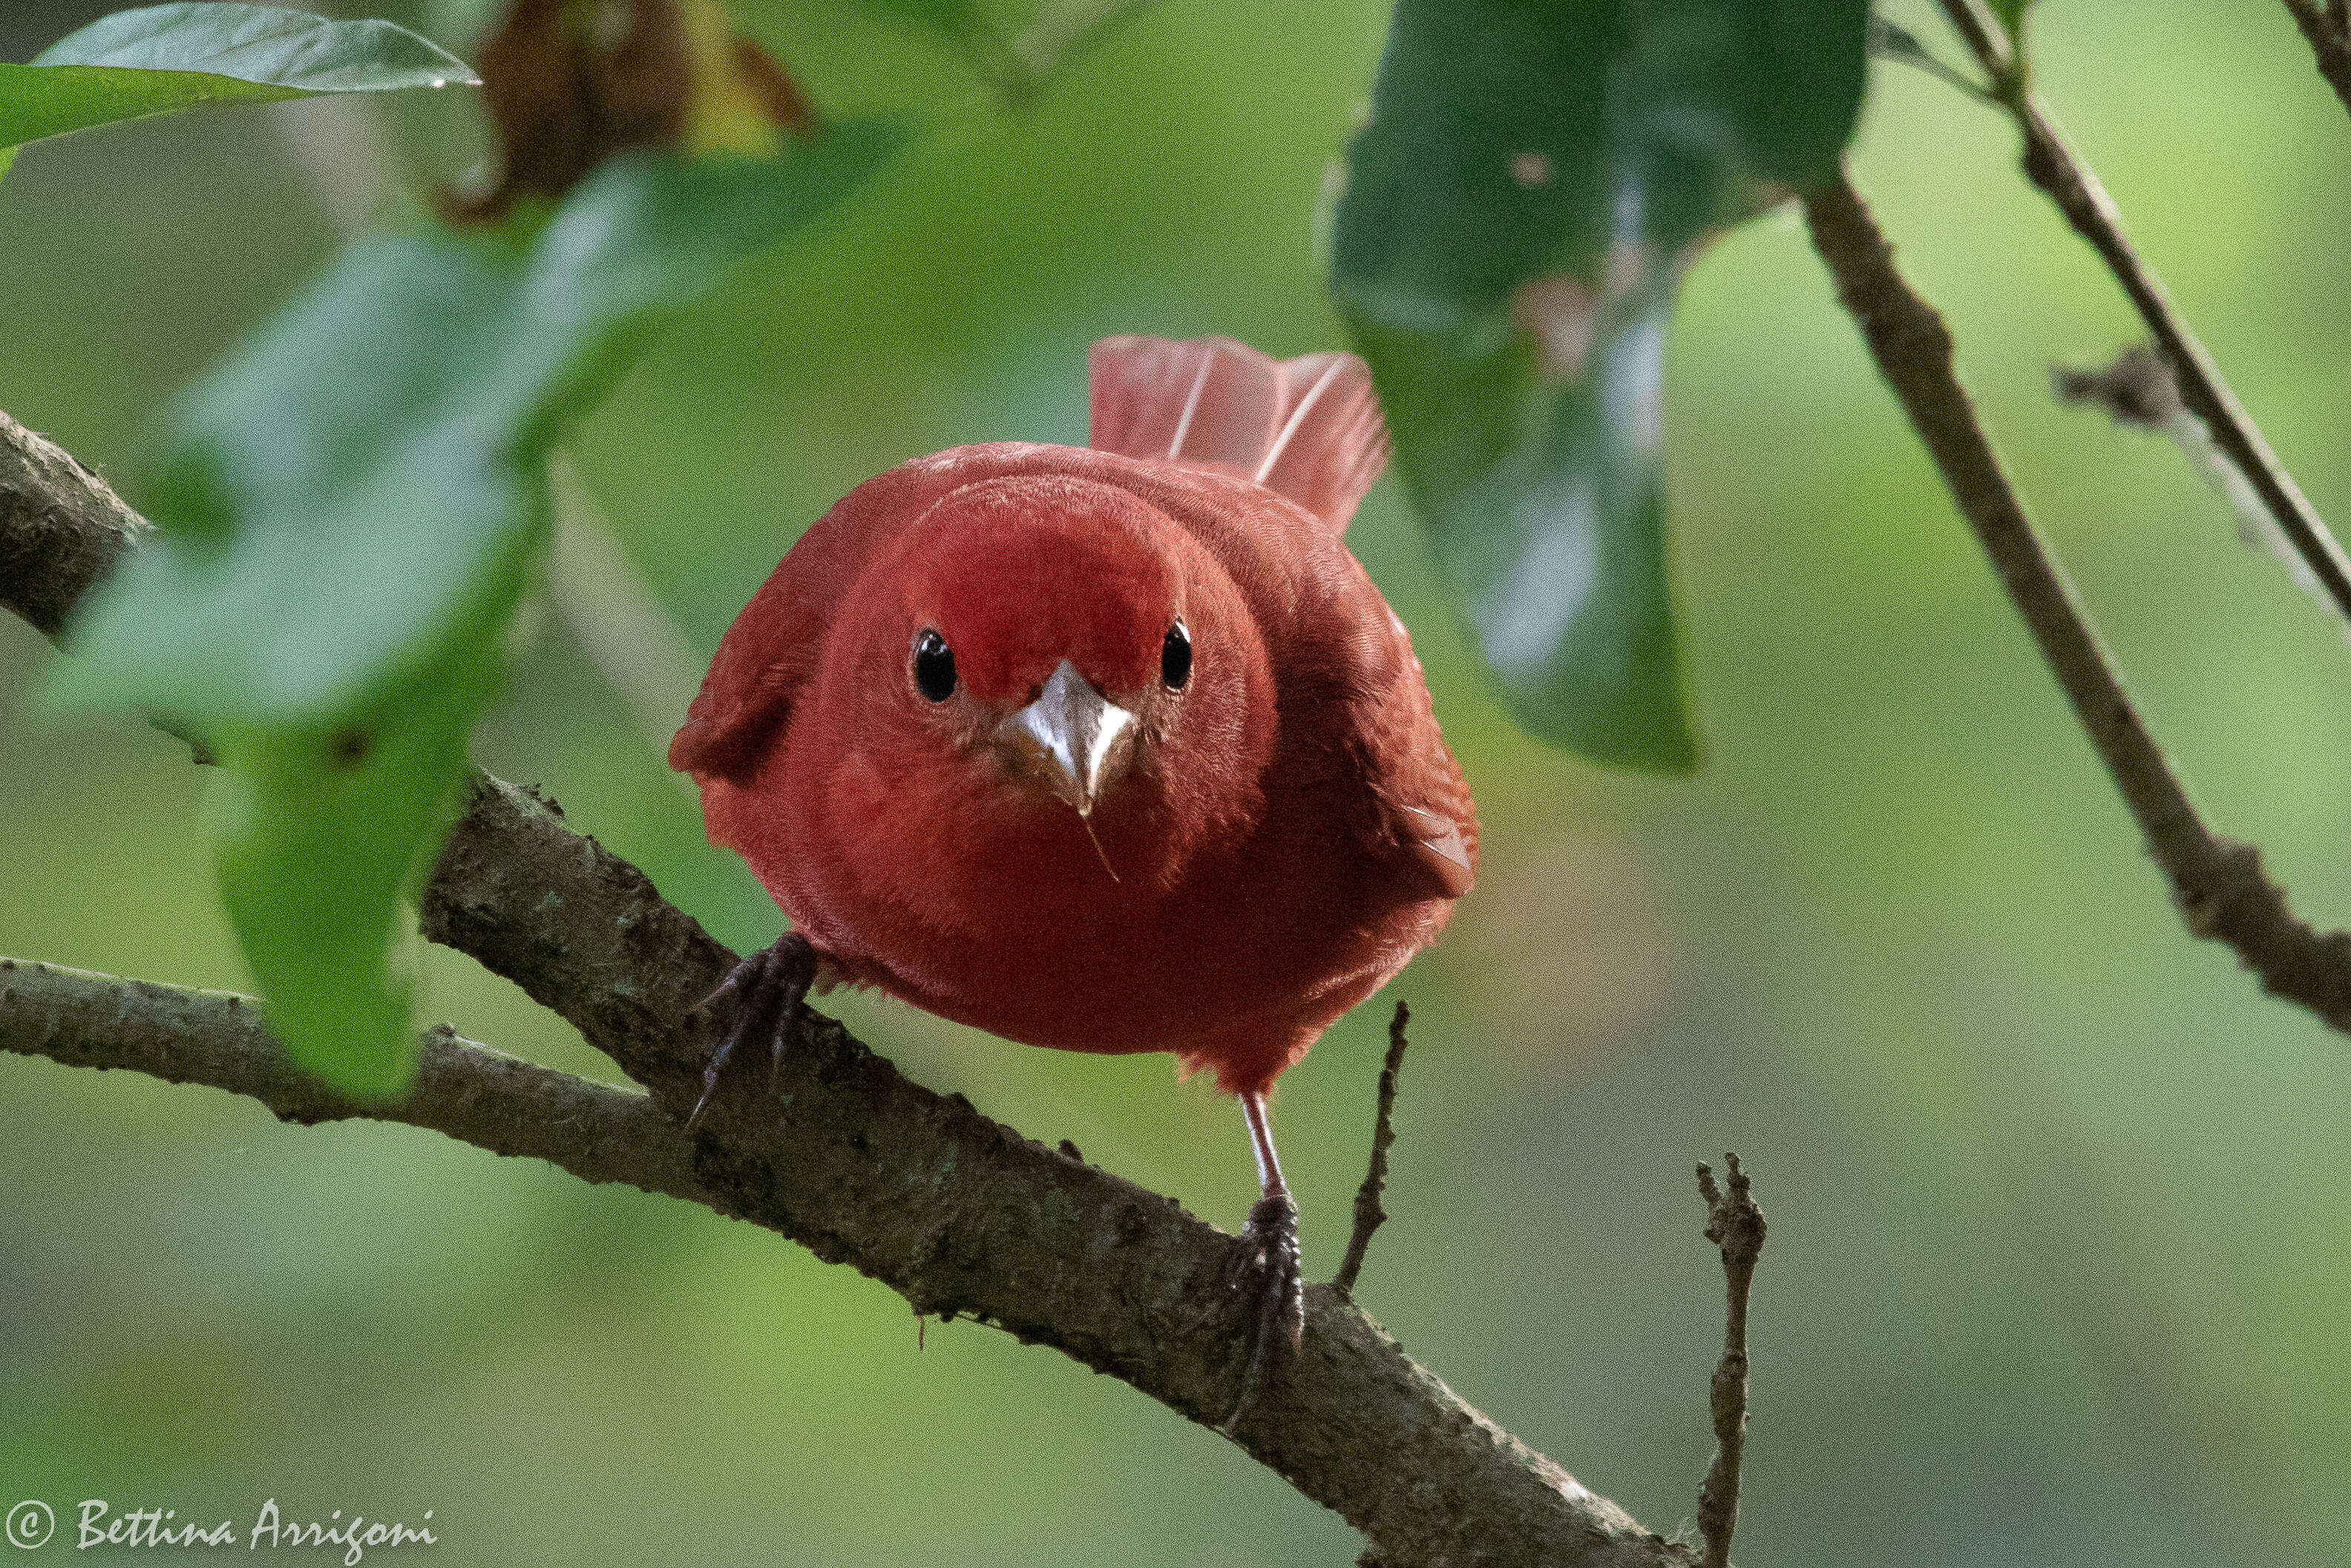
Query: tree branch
[[2217, 882], [962, 1216], [2068, 182], [2328, 28], [475, 1095], [61, 528], [954, 1211]]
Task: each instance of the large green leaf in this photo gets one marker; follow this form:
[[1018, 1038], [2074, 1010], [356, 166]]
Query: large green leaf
[[1515, 215], [162, 58], [349, 507]]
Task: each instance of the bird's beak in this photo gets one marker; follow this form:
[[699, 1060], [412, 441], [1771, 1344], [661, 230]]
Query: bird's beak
[[1070, 735]]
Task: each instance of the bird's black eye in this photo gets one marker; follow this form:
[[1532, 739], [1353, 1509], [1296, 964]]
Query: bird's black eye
[[1176, 658], [934, 667]]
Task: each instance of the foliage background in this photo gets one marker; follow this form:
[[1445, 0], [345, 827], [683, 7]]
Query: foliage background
[[2057, 1263]]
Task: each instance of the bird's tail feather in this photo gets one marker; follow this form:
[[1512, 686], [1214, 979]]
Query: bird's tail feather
[[1307, 428]]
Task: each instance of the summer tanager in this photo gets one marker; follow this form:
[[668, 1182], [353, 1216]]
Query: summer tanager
[[1108, 748]]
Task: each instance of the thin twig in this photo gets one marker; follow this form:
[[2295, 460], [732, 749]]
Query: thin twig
[[2217, 884], [2053, 166], [1369, 1215], [2328, 29], [1734, 1224], [2139, 390]]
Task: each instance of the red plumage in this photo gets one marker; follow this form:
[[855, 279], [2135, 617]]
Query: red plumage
[[1274, 835]]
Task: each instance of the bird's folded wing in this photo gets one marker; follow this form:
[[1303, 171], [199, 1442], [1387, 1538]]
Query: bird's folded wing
[[1425, 814]]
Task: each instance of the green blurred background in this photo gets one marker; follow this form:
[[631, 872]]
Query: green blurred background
[[2058, 1269]]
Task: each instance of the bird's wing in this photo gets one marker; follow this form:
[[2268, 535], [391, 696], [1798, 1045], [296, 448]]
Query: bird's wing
[[772, 649], [1354, 698], [1421, 799], [1307, 428]]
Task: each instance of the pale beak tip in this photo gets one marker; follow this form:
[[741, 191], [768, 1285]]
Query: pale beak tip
[[1082, 738]]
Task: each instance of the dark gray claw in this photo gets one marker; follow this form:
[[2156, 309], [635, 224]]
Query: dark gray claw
[[1269, 1265], [767, 994]]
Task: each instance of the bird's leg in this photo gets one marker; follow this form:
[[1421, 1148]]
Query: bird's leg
[[1268, 1263], [768, 992]]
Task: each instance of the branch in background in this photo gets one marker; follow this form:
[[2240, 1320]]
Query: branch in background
[[954, 1211], [474, 1094], [2217, 884], [1369, 1215], [2328, 28], [627, 633], [2052, 166], [1734, 1224]]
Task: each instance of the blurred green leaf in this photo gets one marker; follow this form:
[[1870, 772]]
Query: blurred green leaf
[[162, 58], [348, 509], [2012, 15], [317, 834], [1515, 215]]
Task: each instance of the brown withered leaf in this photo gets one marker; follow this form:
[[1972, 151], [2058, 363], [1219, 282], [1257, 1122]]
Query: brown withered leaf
[[774, 89], [572, 82]]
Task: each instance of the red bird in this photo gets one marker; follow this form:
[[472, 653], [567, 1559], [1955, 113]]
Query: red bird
[[1106, 748]]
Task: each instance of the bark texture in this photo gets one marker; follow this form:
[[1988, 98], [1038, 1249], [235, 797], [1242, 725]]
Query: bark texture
[[61, 528]]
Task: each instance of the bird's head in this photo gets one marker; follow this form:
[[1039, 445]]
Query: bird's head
[[1054, 653]]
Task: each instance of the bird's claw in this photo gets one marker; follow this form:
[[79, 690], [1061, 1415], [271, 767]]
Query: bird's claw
[[1269, 1264], [768, 991]]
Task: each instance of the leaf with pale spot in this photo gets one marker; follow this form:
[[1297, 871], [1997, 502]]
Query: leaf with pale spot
[[1514, 218]]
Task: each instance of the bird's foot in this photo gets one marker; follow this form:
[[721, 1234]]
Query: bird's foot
[[1268, 1266], [766, 995]]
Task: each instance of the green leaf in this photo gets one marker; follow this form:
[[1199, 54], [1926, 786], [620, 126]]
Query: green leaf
[[318, 833], [350, 509], [2012, 16], [1533, 180], [162, 58]]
